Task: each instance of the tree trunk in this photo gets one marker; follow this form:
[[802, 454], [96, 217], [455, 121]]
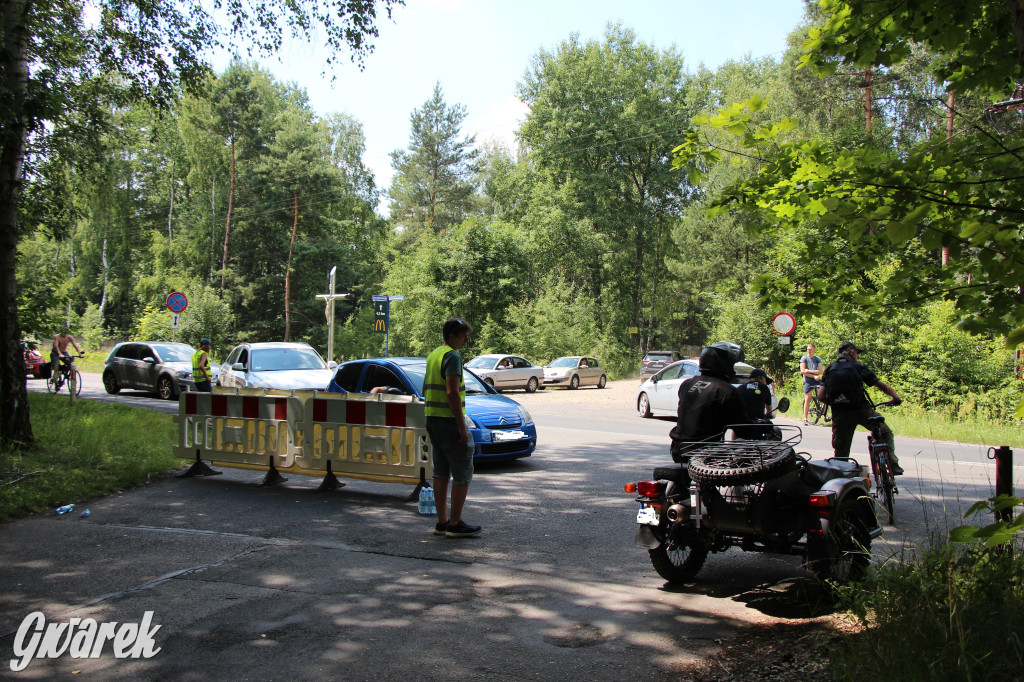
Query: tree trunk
[[227, 226], [106, 277], [288, 270], [15, 426]]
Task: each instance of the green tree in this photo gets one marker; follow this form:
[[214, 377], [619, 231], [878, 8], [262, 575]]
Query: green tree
[[432, 186], [50, 56]]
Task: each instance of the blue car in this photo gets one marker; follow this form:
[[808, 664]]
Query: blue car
[[500, 427]]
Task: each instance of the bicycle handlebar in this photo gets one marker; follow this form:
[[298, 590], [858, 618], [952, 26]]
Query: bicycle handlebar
[[889, 403]]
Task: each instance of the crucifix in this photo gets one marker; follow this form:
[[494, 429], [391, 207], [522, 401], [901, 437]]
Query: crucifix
[[329, 311]]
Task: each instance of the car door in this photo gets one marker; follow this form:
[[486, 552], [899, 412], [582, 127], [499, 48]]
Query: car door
[[229, 376], [148, 368], [123, 364], [590, 375], [520, 373], [664, 391]]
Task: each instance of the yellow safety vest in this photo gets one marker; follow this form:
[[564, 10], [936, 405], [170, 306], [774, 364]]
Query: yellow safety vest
[[435, 389], [200, 374]]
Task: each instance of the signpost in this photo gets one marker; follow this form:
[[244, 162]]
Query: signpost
[[784, 324], [330, 298], [177, 302], [382, 317]]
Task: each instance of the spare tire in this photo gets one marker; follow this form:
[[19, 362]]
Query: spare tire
[[732, 468]]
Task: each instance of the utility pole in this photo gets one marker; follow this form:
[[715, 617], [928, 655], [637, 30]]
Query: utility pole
[[330, 298]]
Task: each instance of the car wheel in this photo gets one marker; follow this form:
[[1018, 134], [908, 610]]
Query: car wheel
[[531, 385], [165, 388], [110, 383], [490, 382], [574, 383], [643, 404], [602, 382]]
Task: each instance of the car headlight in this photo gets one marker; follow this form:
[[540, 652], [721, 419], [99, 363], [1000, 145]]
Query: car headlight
[[470, 424], [184, 374], [527, 419]]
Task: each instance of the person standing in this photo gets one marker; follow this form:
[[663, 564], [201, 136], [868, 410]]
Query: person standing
[[451, 449], [757, 397], [810, 369], [60, 348], [202, 375], [843, 389]]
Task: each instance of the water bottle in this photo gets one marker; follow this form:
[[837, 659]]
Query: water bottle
[[85, 514], [431, 504], [65, 509], [425, 495]]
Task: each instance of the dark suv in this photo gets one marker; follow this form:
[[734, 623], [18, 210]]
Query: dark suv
[[656, 360]]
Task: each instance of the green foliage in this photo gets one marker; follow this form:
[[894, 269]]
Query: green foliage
[[83, 452], [206, 316], [744, 321], [554, 323], [952, 615], [998, 534]]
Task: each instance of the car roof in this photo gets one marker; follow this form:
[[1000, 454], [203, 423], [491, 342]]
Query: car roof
[[742, 367], [276, 344]]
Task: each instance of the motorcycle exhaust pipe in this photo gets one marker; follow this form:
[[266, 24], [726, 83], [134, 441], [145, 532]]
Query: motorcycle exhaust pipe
[[678, 513]]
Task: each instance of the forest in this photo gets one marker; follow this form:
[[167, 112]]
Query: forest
[[644, 194]]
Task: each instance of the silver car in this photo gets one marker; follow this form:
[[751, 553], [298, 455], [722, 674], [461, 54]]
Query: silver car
[[286, 366], [659, 395], [575, 371], [162, 368], [505, 372]]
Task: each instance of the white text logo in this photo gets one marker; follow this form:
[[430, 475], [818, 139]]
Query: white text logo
[[81, 638]]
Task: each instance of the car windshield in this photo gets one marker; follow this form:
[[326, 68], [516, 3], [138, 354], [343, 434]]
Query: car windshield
[[281, 359], [174, 353], [564, 362], [417, 374], [480, 362]]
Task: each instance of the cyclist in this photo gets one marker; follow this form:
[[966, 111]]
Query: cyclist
[[60, 348], [810, 368], [843, 388]]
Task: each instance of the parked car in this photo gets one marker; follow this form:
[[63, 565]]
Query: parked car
[[500, 427], [287, 366], [656, 360], [505, 372], [35, 364], [659, 395], [158, 367], [575, 371]]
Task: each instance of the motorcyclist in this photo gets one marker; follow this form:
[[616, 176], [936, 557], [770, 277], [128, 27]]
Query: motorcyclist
[[756, 395], [708, 402]]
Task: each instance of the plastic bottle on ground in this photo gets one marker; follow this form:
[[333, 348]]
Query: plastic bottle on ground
[[65, 509]]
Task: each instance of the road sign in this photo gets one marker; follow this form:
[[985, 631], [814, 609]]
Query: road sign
[[174, 320], [784, 324], [177, 302], [380, 316]]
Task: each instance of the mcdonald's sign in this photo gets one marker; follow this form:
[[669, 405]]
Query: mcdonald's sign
[[380, 317]]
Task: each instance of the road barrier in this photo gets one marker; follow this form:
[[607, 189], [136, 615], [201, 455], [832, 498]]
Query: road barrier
[[379, 438]]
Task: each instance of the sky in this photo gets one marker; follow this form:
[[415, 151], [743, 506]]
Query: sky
[[478, 51]]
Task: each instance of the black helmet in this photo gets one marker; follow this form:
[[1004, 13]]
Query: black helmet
[[718, 360]]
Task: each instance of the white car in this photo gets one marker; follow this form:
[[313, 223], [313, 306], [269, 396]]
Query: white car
[[286, 366], [505, 372], [575, 371], [659, 395]]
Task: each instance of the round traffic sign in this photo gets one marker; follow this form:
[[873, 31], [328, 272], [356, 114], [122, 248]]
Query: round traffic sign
[[177, 302], [783, 324]]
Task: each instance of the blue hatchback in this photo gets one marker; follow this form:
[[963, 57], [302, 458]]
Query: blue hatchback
[[500, 427]]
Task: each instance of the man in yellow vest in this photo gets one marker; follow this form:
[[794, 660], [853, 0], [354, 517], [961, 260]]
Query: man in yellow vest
[[202, 376], [444, 392]]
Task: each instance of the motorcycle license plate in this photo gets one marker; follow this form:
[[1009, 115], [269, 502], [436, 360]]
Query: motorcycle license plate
[[499, 436], [647, 516]]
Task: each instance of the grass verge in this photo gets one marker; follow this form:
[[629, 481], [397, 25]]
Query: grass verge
[[82, 452]]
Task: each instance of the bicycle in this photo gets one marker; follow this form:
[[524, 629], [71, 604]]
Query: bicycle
[[817, 410], [68, 374], [881, 465]]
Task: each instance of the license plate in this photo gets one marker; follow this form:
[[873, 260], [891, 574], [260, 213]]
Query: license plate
[[498, 436], [647, 516]]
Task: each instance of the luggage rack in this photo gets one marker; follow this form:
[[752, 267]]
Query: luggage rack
[[744, 448]]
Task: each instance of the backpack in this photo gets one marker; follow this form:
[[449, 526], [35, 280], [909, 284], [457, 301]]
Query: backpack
[[843, 385]]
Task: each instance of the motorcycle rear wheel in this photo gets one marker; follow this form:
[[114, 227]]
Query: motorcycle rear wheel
[[732, 469], [680, 563], [844, 554]]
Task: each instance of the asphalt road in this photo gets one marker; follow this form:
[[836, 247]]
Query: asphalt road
[[290, 583]]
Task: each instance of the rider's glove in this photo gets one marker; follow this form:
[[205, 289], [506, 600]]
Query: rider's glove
[[897, 401]]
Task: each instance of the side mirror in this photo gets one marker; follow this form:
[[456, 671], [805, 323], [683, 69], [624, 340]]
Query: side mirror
[[783, 405], [332, 365], [238, 367], [150, 359]]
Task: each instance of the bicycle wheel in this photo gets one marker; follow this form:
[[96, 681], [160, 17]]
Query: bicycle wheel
[[51, 382], [816, 410], [886, 489], [74, 385]]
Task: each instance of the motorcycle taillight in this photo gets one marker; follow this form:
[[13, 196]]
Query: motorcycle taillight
[[650, 488]]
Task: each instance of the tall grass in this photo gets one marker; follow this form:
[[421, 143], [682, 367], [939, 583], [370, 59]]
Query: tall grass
[[956, 614], [83, 451]]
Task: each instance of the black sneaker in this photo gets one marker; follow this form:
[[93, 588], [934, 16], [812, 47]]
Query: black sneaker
[[462, 530], [897, 470], [440, 528]]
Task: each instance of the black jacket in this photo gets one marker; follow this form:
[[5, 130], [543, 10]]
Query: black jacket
[[707, 405]]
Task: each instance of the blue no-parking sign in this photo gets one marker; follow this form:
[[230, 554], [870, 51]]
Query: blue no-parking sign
[[177, 302]]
